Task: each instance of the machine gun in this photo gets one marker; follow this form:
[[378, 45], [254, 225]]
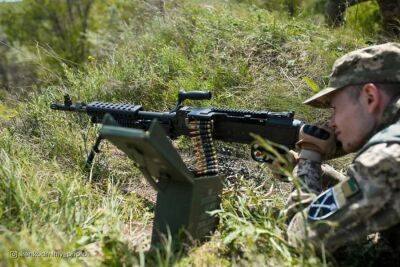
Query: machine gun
[[202, 125], [184, 197]]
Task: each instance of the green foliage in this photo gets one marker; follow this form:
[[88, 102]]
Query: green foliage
[[50, 35], [57, 27], [364, 17], [251, 226], [311, 84], [270, 5], [247, 56]]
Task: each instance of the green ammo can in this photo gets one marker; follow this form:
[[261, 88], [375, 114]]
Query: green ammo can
[[183, 200]]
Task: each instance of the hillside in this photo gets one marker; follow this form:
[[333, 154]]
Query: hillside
[[248, 55]]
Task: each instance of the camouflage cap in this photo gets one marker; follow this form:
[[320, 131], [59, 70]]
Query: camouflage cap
[[375, 64]]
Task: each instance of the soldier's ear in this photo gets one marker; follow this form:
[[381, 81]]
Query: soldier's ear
[[371, 98]]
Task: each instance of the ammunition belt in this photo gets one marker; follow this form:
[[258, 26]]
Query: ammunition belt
[[200, 133]]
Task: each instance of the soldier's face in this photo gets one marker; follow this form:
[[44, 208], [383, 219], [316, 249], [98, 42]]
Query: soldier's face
[[350, 121]]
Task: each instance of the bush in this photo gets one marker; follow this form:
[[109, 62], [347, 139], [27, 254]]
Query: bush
[[59, 27]]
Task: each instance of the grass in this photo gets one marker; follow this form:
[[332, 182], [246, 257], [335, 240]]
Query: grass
[[249, 57]]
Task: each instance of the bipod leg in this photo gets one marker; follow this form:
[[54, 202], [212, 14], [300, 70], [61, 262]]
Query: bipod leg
[[93, 151]]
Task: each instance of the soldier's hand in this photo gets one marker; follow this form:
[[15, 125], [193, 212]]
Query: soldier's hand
[[316, 142]]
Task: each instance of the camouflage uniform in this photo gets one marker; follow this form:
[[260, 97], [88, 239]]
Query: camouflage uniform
[[374, 204]]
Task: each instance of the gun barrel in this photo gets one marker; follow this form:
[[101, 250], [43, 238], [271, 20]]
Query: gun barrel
[[79, 107]]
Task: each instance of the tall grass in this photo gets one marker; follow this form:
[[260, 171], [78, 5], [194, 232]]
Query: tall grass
[[248, 57]]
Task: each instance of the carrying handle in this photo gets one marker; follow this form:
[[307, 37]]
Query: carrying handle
[[192, 95]]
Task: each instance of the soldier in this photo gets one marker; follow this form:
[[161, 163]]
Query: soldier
[[390, 12], [364, 95]]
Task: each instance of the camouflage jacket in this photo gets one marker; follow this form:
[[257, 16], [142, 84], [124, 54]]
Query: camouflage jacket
[[367, 199]]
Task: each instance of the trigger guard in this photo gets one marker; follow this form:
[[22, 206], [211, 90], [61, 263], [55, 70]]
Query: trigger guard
[[259, 154]]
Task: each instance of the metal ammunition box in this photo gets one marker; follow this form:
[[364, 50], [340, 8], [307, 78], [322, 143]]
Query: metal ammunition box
[[183, 200]]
